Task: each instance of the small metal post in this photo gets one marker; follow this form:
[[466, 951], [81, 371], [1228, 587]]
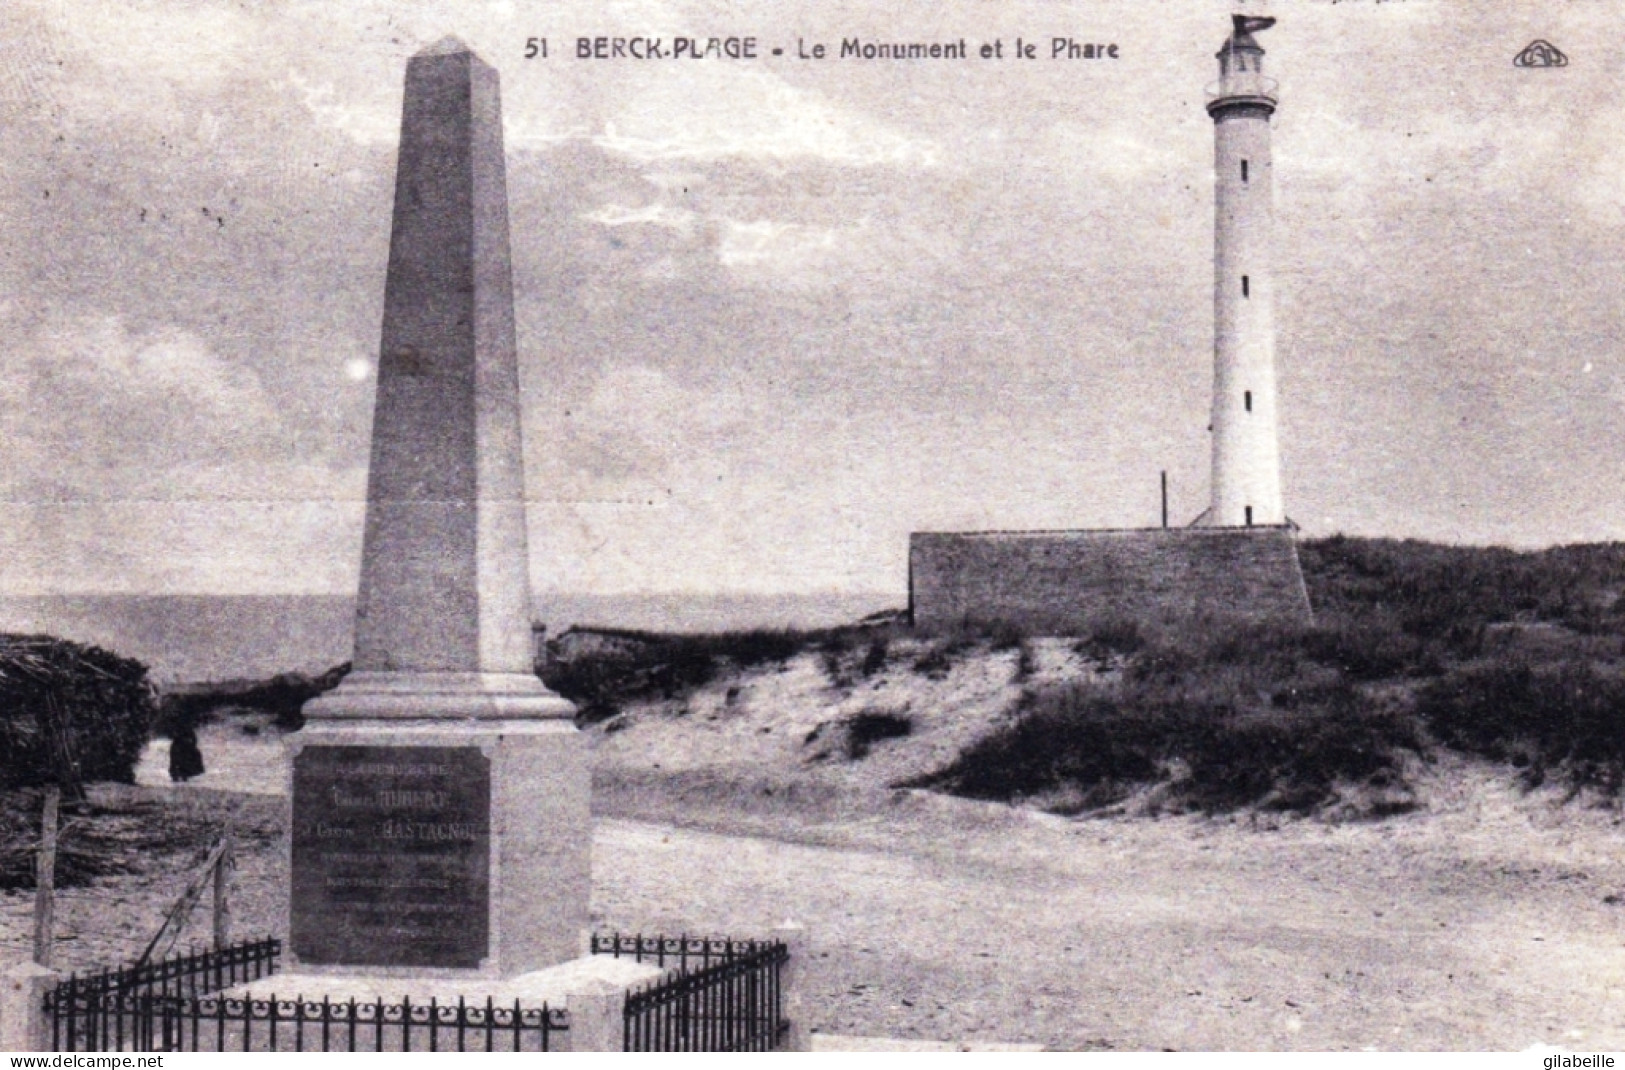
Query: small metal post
[[1165, 498], [45, 878]]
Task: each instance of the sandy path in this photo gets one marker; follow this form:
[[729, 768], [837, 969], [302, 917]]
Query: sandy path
[[1480, 925], [955, 921]]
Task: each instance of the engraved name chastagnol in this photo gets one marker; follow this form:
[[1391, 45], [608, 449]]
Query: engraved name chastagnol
[[430, 831], [415, 831]]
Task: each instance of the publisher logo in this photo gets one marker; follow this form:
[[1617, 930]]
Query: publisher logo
[[1540, 53]]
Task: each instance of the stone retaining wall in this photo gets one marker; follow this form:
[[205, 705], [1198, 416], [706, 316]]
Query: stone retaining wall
[[1066, 582]]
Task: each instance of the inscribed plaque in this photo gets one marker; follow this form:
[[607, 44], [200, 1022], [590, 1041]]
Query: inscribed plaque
[[391, 856]]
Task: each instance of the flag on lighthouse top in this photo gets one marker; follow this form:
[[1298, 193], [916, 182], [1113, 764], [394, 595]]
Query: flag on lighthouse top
[[1244, 26]]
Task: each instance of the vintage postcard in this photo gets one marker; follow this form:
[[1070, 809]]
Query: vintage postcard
[[680, 525]]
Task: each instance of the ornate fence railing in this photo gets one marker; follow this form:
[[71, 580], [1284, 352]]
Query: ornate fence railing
[[89, 1013], [727, 995], [681, 953], [221, 1023], [717, 995], [175, 1005]]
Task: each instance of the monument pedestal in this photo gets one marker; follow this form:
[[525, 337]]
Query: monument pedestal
[[436, 829]]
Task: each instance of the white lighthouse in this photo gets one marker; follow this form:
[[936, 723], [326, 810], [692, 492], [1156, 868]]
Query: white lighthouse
[[1238, 561], [1246, 462]]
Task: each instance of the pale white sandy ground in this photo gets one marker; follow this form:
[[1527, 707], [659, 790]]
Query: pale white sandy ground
[[1469, 931], [232, 761], [1480, 922]]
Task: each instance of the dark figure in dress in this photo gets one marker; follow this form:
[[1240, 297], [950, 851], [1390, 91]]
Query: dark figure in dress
[[185, 759]]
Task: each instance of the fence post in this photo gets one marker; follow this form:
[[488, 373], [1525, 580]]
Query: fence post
[[792, 985], [222, 892], [24, 1025], [597, 1018], [45, 878]]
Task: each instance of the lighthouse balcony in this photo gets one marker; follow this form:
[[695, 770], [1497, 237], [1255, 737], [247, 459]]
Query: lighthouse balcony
[[1242, 87]]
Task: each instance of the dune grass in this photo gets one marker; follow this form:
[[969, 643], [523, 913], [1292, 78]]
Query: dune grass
[[602, 670], [1258, 717], [1514, 657], [1508, 656]]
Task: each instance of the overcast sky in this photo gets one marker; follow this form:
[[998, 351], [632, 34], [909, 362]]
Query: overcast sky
[[776, 314]]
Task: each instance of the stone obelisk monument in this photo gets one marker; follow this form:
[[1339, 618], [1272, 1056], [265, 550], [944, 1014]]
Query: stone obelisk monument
[[439, 797]]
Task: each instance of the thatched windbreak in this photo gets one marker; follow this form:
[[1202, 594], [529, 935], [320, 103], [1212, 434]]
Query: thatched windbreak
[[70, 713]]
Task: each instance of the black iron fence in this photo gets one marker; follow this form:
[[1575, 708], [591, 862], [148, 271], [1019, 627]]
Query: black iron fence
[[681, 953], [727, 995], [96, 1012], [162, 1006], [220, 1023], [718, 995]]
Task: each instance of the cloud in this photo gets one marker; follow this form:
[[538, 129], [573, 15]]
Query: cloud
[[89, 59], [364, 120], [122, 413], [168, 367], [208, 547], [779, 248], [801, 308], [653, 214], [642, 112], [637, 431], [751, 115], [1599, 154], [144, 460], [1113, 150]]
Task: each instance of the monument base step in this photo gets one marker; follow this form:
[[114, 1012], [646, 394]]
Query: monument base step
[[590, 973]]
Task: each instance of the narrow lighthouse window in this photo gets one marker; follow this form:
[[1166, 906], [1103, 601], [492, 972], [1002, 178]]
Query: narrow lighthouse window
[[1247, 400], [1246, 287], [1244, 170]]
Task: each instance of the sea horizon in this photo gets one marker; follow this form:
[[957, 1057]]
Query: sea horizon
[[191, 638]]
